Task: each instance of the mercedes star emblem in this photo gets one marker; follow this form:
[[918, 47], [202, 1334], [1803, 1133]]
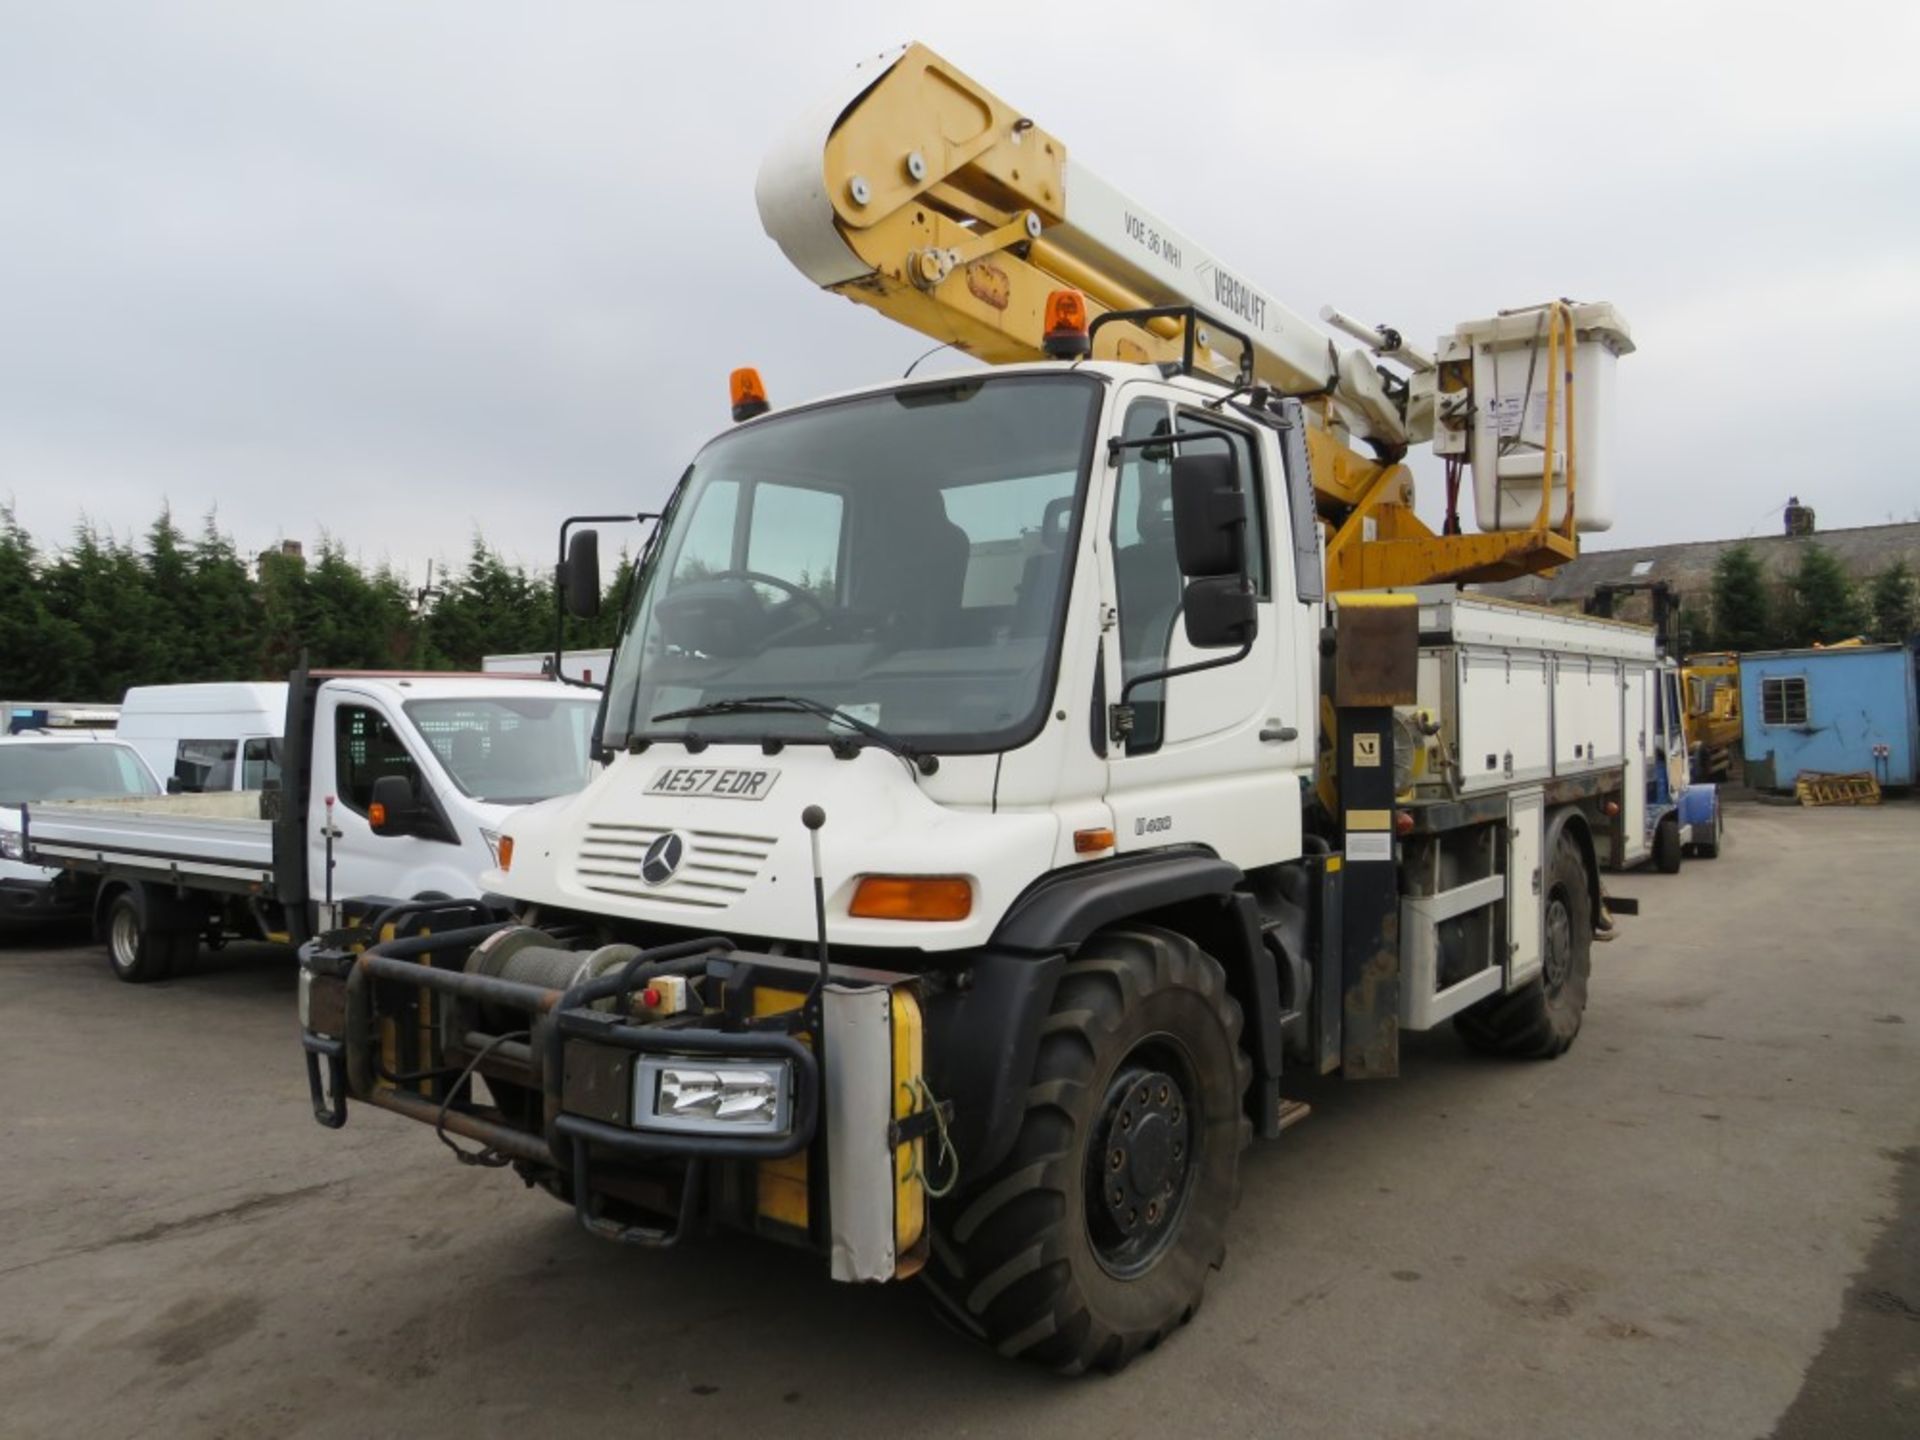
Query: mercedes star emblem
[[662, 859]]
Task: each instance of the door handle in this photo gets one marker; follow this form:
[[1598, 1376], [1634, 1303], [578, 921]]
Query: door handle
[[1279, 732]]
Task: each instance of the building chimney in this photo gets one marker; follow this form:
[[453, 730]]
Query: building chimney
[[1799, 517], [289, 550]]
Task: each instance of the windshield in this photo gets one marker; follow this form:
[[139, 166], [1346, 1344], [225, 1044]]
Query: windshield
[[89, 771], [902, 558], [509, 751]]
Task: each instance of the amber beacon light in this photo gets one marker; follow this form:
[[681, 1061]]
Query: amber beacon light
[[1066, 326], [749, 395]]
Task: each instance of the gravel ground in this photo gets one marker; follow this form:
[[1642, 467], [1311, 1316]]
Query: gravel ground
[[1704, 1221]]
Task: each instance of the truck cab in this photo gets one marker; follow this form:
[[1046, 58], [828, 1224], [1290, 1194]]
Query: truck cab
[[387, 787], [468, 752], [1682, 813]]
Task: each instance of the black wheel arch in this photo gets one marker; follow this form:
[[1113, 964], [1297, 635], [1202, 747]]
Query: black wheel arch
[[103, 897], [1571, 821], [1010, 987]]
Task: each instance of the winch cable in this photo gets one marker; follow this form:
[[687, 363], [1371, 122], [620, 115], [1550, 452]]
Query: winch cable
[[487, 1156]]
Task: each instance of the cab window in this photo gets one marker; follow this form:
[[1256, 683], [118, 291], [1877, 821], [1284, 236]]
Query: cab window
[[366, 747], [1147, 575], [203, 765], [260, 764]]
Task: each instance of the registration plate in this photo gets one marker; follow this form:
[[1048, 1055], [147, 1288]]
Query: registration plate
[[713, 782]]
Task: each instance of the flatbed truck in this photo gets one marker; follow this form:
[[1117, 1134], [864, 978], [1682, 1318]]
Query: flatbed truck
[[392, 788]]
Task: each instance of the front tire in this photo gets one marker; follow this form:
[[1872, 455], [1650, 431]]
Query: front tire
[[1094, 1237], [1540, 1020], [1666, 846]]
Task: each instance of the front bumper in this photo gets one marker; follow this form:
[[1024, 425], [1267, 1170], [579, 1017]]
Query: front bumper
[[406, 1024], [38, 902]]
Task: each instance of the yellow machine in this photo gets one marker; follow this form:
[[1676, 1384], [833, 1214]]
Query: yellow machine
[[922, 194], [1712, 681]]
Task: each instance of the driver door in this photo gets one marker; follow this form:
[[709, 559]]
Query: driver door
[[1214, 757], [356, 743]]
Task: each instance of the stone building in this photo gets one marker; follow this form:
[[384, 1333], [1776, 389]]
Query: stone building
[[1863, 552]]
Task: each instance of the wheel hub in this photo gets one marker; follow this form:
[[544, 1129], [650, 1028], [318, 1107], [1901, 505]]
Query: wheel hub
[[1140, 1165], [124, 938], [1559, 945]]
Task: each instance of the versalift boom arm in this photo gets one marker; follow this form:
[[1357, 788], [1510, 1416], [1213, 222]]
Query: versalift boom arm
[[916, 191]]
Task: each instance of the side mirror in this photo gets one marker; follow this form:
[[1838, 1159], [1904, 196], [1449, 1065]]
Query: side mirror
[[1209, 515], [580, 575], [1219, 611], [392, 807]]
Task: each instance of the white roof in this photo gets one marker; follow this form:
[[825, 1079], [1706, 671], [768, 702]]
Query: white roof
[[200, 699], [460, 687], [75, 736]]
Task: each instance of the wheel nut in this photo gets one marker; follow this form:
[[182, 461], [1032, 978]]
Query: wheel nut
[[1143, 1094], [1178, 1149], [1153, 1211], [1163, 1094], [1126, 1120], [1133, 1217], [1118, 1158], [1119, 1196]]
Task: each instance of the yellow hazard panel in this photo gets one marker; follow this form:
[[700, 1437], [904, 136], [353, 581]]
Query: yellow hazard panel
[[910, 1192], [780, 1186]]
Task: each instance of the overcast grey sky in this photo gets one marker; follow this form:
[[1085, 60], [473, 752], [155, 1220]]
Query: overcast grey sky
[[403, 270]]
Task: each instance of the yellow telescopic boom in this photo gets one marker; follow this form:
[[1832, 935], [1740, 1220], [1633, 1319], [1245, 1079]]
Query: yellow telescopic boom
[[916, 191]]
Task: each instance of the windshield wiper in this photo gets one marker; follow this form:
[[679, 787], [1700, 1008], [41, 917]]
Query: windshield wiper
[[921, 760]]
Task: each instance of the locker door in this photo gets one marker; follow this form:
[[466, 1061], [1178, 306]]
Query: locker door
[[1526, 815]]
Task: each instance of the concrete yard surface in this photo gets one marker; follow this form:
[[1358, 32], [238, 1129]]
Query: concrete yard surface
[[1704, 1221]]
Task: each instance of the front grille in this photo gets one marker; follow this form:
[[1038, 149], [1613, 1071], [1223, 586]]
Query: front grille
[[716, 866]]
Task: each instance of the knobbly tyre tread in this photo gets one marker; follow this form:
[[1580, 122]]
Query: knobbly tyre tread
[[1003, 1265], [1528, 1024]]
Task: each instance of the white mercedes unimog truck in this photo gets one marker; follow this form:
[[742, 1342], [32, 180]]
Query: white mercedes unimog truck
[[995, 810]]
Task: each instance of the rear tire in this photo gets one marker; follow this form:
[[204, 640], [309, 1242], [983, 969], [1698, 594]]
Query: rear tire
[[1709, 849], [1666, 846], [1540, 1020], [136, 950], [1094, 1237]]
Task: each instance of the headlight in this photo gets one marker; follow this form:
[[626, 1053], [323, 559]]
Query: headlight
[[12, 845], [717, 1097]]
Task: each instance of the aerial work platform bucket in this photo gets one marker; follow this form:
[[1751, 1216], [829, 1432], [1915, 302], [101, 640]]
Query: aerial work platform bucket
[[1522, 385]]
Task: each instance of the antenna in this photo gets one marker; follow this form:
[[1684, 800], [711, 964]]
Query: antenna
[[813, 817]]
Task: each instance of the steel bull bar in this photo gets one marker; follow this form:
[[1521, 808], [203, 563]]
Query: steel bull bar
[[567, 1142]]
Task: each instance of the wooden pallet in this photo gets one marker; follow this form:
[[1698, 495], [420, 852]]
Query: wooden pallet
[[1824, 787]]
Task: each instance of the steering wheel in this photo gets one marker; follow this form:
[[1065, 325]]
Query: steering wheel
[[760, 577], [821, 616]]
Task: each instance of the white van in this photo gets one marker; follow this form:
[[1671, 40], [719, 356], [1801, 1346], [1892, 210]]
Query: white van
[[212, 737]]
